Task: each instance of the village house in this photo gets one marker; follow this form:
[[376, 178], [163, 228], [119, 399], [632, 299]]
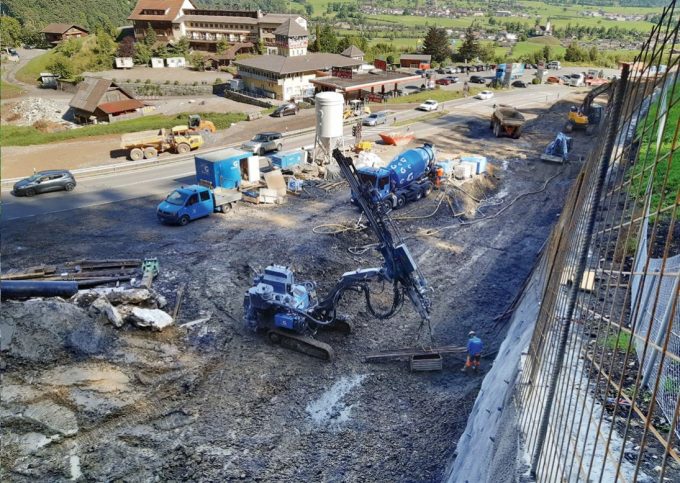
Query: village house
[[58, 32], [102, 100], [205, 28], [288, 73]]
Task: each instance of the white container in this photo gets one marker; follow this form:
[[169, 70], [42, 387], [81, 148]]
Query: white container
[[157, 63], [463, 171], [253, 169], [329, 109]]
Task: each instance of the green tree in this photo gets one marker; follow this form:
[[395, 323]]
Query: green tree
[[222, 45], [487, 53], [315, 45], [547, 53], [470, 49], [181, 47], [10, 31], [150, 36], [390, 59], [126, 47], [143, 54], [436, 44], [593, 54], [70, 47], [309, 9], [197, 61], [62, 66], [574, 53], [328, 42]]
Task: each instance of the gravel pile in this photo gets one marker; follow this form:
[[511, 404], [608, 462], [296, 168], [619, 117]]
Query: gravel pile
[[34, 109]]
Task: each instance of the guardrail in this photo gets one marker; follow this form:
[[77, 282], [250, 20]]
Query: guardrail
[[137, 165]]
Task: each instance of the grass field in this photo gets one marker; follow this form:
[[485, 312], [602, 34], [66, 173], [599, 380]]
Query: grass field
[[521, 49], [29, 73], [648, 155], [439, 95], [7, 91], [27, 135]]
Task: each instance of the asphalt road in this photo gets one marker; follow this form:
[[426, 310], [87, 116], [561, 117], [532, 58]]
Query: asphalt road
[[115, 187]]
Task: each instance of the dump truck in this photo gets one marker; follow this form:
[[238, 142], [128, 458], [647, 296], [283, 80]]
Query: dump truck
[[408, 177], [148, 144], [507, 121], [188, 203]]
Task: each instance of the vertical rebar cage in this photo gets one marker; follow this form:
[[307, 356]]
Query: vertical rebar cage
[[599, 393]]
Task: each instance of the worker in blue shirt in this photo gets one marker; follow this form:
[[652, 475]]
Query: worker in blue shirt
[[474, 351]]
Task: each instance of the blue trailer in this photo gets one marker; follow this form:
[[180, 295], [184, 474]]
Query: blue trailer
[[406, 178], [221, 169]]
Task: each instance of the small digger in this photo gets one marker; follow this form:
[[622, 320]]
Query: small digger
[[587, 116]]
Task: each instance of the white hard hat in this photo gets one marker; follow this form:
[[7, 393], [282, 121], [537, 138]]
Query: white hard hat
[[471, 333]]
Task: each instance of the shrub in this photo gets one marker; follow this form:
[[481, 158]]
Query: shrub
[[217, 81], [535, 81], [138, 81], [176, 83], [195, 83], [148, 81], [166, 82]]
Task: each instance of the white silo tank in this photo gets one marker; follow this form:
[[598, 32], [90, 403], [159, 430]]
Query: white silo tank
[[329, 111]]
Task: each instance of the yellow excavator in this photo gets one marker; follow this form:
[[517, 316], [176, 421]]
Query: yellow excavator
[[198, 124], [588, 115]]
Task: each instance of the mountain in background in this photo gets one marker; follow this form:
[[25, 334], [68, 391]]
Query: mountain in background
[[35, 14]]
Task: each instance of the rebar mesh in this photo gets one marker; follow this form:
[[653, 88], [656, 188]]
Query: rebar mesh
[[600, 386]]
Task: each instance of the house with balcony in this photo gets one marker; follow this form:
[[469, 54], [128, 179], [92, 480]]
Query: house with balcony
[[205, 28]]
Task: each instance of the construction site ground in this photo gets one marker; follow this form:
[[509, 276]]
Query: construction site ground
[[213, 402]]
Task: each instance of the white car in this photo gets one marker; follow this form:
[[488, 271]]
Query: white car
[[429, 105], [484, 95]]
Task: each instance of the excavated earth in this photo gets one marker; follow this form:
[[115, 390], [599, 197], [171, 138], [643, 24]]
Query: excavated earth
[[214, 402]]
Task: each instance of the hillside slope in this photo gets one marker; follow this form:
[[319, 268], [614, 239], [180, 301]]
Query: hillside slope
[[35, 14]]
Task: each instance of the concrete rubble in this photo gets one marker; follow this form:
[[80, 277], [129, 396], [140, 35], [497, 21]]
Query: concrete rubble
[[153, 318], [33, 109]]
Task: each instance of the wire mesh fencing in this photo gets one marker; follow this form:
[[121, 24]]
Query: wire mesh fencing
[[599, 392]]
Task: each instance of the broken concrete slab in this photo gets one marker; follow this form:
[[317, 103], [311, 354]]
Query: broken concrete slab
[[118, 296], [103, 305], [154, 318], [53, 417]]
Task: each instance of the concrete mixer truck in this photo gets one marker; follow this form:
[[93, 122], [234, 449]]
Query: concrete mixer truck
[[408, 177]]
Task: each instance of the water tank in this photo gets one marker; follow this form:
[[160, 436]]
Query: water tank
[[329, 110]]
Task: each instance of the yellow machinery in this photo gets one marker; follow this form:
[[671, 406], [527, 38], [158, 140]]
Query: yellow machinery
[[198, 124], [148, 144], [588, 115], [356, 108]]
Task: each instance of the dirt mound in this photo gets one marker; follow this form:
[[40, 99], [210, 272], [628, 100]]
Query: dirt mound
[[48, 330]]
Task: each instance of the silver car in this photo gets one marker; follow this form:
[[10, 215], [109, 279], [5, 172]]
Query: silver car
[[263, 143]]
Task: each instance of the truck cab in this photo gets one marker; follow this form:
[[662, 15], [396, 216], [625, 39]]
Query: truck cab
[[378, 179]]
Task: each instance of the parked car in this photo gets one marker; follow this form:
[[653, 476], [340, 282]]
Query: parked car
[[429, 105], [441, 70], [420, 72], [519, 83], [444, 81], [553, 80], [477, 79], [375, 118], [45, 181], [289, 109], [263, 143], [484, 95], [453, 79]]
